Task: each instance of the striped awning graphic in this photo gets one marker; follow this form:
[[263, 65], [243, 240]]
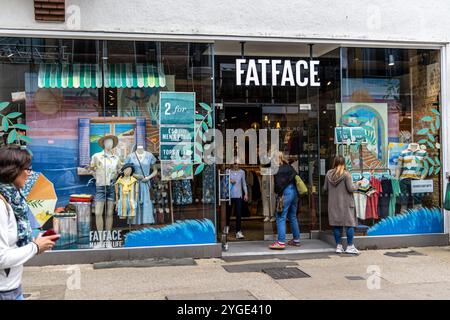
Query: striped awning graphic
[[125, 75]]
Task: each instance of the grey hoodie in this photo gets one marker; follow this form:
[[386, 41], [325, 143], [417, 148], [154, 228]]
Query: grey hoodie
[[334, 178]]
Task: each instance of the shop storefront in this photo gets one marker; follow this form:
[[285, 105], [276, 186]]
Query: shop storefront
[[378, 107], [125, 136]]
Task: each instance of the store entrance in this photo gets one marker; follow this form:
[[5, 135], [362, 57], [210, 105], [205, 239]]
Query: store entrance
[[298, 140], [302, 115]]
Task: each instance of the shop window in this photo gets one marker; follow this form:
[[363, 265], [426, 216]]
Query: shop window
[[90, 115], [391, 110]]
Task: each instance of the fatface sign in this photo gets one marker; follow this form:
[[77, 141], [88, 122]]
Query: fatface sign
[[266, 72]]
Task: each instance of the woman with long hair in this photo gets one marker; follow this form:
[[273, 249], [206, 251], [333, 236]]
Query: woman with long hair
[[341, 204], [286, 192], [16, 242]]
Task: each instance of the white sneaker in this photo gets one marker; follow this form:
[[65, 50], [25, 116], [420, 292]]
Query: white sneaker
[[239, 235], [266, 219], [339, 248], [352, 250], [273, 219]]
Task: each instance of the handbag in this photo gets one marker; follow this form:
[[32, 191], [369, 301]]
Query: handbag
[[301, 186], [447, 197]]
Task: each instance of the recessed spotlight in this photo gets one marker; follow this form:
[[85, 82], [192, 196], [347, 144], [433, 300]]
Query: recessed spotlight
[[391, 60]]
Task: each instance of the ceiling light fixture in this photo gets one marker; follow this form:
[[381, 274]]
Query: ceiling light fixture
[[391, 60]]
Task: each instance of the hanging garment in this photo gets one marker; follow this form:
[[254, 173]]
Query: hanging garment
[[144, 214], [250, 182], [360, 197], [224, 187], [182, 192], [208, 184], [126, 190], [372, 199], [394, 196], [360, 204], [256, 188], [385, 197]]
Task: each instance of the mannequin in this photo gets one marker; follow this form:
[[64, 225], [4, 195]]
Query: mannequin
[[410, 167], [143, 162], [104, 166], [268, 194], [127, 193]]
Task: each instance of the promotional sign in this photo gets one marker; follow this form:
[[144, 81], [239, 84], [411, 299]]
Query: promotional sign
[[342, 135], [176, 131], [176, 135], [177, 108], [349, 135], [305, 107], [422, 186], [174, 152], [358, 135]]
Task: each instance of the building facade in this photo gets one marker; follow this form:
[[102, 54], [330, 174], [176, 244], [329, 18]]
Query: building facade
[[136, 86]]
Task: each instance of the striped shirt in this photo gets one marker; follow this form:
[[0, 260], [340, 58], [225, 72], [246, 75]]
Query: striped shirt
[[412, 163]]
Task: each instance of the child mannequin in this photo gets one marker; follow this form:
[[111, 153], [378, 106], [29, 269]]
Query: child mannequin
[[127, 192]]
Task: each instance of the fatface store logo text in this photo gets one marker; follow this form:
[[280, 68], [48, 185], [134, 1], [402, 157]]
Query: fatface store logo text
[[255, 72], [106, 239]]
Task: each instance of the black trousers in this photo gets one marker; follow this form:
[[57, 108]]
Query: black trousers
[[236, 203]]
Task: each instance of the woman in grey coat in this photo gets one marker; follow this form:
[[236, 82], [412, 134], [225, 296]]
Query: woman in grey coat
[[341, 204]]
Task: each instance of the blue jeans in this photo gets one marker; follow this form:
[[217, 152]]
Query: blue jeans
[[350, 231], [289, 210]]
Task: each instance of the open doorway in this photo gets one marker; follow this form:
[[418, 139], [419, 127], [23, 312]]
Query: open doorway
[[297, 113]]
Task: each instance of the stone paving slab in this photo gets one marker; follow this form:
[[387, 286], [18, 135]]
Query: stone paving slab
[[257, 267], [218, 295], [147, 263]]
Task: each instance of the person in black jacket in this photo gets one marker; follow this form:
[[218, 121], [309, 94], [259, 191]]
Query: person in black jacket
[[286, 192]]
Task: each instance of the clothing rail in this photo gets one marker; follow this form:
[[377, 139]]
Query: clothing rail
[[370, 170]]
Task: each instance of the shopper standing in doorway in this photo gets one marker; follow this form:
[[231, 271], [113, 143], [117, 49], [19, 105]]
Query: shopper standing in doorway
[[238, 194], [341, 204], [287, 202]]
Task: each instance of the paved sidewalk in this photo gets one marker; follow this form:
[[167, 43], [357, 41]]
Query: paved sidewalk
[[412, 273]]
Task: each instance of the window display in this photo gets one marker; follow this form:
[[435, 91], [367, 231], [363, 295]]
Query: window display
[[91, 116], [396, 105]]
